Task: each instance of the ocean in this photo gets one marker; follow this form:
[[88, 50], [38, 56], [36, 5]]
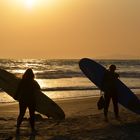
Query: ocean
[[61, 79]]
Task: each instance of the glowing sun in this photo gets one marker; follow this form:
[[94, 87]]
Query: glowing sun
[[30, 3]]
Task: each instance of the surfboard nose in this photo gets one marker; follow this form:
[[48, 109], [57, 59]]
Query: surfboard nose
[[58, 116]]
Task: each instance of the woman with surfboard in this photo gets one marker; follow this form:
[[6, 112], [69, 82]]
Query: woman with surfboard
[[26, 96], [110, 91]]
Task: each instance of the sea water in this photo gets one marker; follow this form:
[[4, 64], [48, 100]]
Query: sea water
[[61, 79]]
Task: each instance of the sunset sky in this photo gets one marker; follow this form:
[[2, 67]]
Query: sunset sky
[[70, 29]]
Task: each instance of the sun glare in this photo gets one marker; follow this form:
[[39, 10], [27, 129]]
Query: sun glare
[[30, 3], [33, 4]]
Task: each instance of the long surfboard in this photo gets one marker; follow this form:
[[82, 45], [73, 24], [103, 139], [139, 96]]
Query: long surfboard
[[95, 72], [44, 105]]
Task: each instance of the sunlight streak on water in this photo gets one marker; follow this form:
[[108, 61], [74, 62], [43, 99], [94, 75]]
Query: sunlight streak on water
[[62, 79]]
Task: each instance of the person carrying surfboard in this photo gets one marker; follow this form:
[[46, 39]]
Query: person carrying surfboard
[[110, 91], [26, 95]]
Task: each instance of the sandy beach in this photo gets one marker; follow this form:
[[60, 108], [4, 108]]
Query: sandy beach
[[83, 122]]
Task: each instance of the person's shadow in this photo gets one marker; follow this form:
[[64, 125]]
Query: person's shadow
[[31, 137], [60, 138]]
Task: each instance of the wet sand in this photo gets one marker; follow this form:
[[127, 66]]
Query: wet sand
[[83, 122]]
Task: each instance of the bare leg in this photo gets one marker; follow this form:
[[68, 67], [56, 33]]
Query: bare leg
[[107, 102], [115, 104], [22, 110], [32, 116]]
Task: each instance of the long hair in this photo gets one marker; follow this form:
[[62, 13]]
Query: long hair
[[28, 75]]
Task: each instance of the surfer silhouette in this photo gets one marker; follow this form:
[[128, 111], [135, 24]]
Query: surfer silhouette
[[26, 95], [110, 91]]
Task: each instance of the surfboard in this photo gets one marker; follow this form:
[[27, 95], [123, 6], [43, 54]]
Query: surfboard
[[44, 105], [95, 72]]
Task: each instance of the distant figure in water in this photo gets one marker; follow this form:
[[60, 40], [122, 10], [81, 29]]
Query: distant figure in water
[[110, 90], [26, 95]]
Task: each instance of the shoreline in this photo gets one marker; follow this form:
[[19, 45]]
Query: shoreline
[[83, 122], [96, 95], [66, 105]]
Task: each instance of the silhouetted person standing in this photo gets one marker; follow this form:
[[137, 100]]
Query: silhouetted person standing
[[26, 95], [110, 90]]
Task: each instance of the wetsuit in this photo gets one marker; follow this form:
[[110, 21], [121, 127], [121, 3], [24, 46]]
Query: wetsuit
[[26, 96], [110, 90]]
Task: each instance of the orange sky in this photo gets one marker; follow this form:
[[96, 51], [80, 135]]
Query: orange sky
[[70, 29]]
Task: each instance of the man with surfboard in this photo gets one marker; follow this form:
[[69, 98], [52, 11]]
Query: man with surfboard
[[109, 87], [95, 73]]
